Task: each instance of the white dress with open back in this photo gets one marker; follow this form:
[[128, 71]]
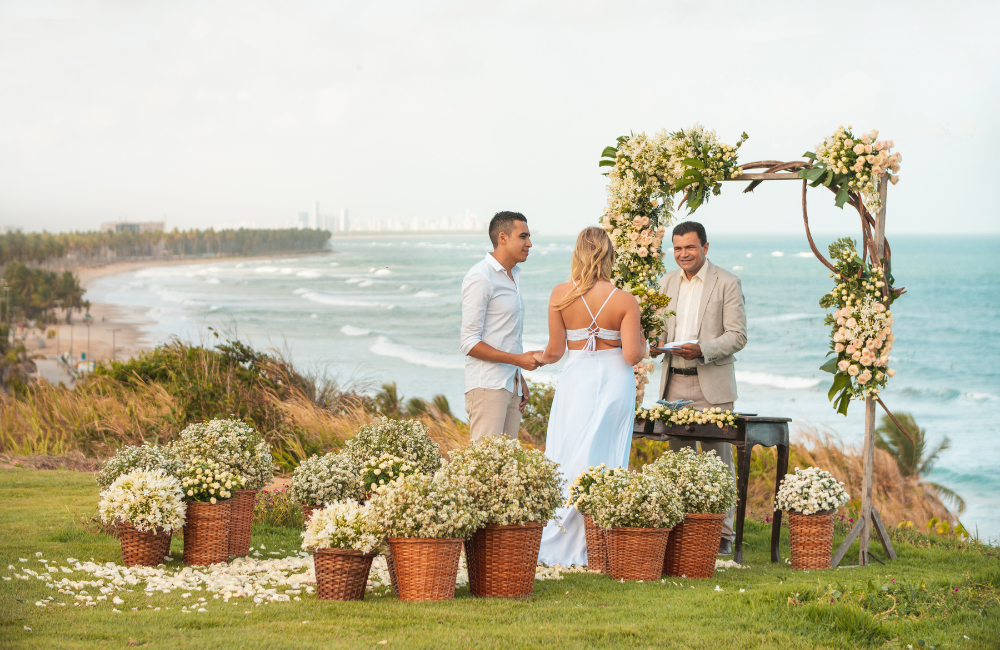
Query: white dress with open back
[[590, 423]]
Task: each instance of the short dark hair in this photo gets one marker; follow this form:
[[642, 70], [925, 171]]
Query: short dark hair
[[685, 227], [503, 222]]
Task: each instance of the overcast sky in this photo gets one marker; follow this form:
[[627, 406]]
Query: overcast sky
[[212, 112]]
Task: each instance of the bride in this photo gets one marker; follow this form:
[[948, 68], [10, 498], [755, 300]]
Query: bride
[[594, 407]]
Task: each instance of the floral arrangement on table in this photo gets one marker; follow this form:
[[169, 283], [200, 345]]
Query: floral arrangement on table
[[146, 457], [406, 439], [809, 491], [850, 163], [206, 480], [509, 483], [579, 489], [343, 524], [680, 417], [860, 327], [425, 506], [325, 479], [705, 482], [645, 174], [234, 445], [383, 470], [147, 499], [635, 500]]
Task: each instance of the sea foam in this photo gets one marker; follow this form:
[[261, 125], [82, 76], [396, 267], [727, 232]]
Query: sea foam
[[385, 347], [775, 381], [350, 330]]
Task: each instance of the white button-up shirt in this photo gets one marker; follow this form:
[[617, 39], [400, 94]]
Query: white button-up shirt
[[688, 316], [492, 312]]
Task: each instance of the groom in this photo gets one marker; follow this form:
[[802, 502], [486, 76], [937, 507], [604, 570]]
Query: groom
[[492, 323], [710, 309]]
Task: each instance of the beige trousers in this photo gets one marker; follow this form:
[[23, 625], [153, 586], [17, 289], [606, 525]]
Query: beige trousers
[[687, 387], [493, 412]]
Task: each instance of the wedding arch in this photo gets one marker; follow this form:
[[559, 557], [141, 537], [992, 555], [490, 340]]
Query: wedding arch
[[648, 172]]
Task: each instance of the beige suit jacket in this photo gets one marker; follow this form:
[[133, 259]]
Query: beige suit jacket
[[722, 332]]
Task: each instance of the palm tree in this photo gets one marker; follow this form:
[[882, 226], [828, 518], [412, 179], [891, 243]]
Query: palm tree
[[912, 457], [389, 402]]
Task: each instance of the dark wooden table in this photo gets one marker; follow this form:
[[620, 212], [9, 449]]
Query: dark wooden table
[[749, 431]]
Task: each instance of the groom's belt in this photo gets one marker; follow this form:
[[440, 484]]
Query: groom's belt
[[683, 371]]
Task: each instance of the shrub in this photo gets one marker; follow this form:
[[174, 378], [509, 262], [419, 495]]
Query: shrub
[[344, 524], [509, 483], [425, 506], [705, 482], [325, 479], [277, 508], [631, 499], [147, 499], [234, 445], [406, 439], [146, 457]]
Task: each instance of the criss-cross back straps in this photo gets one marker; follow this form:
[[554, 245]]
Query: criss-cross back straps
[[593, 330]]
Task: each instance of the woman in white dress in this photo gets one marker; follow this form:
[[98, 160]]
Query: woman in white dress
[[594, 407]]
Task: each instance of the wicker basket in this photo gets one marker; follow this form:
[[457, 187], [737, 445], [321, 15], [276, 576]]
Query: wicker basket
[[206, 533], [693, 546], [241, 521], [307, 512], [502, 559], [392, 571], [142, 547], [812, 539], [341, 574], [426, 569], [637, 553], [597, 545]]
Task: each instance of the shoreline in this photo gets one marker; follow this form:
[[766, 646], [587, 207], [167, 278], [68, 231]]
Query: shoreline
[[128, 339]]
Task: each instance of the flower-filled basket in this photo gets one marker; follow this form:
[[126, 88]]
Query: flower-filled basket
[[638, 510], [147, 506], [239, 449], [426, 519], [810, 497], [342, 537], [579, 496], [208, 490], [384, 470], [404, 439], [708, 493], [319, 480], [516, 491]]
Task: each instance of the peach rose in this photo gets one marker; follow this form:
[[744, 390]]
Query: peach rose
[[853, 371], [851, 349], [864, 377], [859, 148], [852, 323], [856, 356], [839, 347], [843, 365]]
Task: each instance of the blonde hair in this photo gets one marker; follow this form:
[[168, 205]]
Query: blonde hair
[[593, 260]]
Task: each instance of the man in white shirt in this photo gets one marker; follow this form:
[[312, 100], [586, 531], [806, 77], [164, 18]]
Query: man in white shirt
[[710, 309], [492, 322]]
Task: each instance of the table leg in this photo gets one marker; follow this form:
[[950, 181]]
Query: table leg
[[780, 472], [743, 451]]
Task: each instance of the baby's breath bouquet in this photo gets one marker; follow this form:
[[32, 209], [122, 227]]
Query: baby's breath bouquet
[[425, 506], [206, 480], [325, 479], [705, 482], [148, 457], [579, 490], [509, 483], [343, 524], [384, 470], [406, 439], [661, 413], [809, 491], [234, 445], [147, 499], [635, 500]]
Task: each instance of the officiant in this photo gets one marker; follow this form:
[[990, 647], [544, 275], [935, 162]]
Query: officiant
[[711, 316]]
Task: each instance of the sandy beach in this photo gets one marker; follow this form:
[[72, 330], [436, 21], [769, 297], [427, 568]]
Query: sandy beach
[[112, 325]]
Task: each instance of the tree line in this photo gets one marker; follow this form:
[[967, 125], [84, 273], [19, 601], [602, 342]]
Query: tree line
[[41, 247], [35, 293]]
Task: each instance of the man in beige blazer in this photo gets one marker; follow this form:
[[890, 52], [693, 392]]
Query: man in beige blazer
[[709, 306]]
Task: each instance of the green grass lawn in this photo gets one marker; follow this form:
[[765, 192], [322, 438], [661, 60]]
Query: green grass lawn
[[946, 595]]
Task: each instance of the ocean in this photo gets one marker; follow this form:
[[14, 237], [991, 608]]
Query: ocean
[[388, 309]]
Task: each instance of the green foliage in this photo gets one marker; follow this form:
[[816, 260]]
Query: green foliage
[[277, 508], [34, 292], [914, 458], [535, 418]]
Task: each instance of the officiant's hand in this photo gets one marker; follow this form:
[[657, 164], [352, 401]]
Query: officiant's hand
[[655, 352], [689, 351], [528, 360]]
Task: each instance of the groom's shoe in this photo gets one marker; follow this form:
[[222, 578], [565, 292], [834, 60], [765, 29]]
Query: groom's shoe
[[725, 547]]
